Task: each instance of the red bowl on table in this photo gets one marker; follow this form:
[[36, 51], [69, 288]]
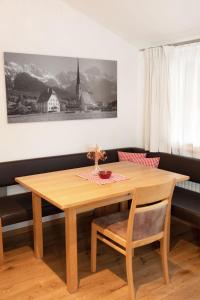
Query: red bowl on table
[[105, 174]]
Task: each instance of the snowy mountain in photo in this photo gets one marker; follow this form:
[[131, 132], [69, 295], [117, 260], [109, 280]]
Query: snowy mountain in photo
[[12, 69]]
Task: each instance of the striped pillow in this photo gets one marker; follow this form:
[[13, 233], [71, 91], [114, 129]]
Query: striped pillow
[[127, 156], [148, 162]]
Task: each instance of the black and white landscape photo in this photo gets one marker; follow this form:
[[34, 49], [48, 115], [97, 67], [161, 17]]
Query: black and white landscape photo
[[50, 88]]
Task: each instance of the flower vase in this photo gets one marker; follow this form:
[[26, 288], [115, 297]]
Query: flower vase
[[96, 167]]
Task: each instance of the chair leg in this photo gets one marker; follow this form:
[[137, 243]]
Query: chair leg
[[169, 236], [164, 253], [1, 243], [94, 248], [129, 271]]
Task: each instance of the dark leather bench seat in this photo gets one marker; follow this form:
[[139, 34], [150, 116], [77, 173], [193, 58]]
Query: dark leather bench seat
[[186, 206], [18, 208]]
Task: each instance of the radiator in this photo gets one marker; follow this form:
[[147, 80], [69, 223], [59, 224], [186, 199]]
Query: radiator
[[190, 185]]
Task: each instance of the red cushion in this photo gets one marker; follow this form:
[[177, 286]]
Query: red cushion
[[127, 156], [148, 162]]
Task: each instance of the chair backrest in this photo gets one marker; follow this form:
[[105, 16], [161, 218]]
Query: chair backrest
[[153, 214]]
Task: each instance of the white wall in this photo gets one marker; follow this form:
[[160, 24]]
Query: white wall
[[52, 27]]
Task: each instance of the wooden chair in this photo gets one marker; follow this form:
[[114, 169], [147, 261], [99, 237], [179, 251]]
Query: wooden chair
[[147, 221]]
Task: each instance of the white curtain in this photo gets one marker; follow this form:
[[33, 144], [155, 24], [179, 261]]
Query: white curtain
[[157, 110], [185, 99], [172, 99]]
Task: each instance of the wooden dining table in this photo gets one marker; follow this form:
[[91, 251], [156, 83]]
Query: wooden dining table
[[74, 195]]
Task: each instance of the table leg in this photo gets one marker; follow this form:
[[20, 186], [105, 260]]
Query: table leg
[[71, 250], [37, 225]]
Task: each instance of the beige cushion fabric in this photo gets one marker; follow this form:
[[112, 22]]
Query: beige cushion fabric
[[117, 223], [146, 223], [149, 222]]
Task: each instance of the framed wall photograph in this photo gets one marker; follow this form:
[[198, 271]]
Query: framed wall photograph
[[52, 88]]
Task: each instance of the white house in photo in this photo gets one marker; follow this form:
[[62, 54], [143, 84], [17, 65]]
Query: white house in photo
[[48, 101]]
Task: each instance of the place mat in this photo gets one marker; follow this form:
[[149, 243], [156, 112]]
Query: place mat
[[96, 179]]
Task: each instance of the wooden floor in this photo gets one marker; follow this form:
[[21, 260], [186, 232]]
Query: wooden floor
[[23, 277]]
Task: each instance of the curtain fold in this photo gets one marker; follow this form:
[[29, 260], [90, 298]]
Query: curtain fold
[[157, 104]]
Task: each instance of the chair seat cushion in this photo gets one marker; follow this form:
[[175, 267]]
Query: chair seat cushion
[[186, 206], [116, 223], [18, 208]]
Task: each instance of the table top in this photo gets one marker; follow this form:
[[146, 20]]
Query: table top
[[65, 189]]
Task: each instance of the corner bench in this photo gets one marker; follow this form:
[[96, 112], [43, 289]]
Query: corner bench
[[18, 208]]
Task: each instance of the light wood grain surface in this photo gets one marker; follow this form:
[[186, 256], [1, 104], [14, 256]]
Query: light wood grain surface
[[65, 189]]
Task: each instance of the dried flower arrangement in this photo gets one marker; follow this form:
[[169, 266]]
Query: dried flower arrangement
[[96, 154]]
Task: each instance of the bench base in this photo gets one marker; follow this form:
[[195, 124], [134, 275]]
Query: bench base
[[186, 206]]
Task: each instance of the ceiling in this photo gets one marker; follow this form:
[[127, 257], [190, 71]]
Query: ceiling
[[145, 23]]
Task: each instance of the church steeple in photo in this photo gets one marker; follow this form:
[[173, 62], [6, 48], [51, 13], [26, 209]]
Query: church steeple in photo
[[78, 86]]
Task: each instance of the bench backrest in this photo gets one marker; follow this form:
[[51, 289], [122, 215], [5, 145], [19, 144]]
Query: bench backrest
[[12, 169], [170, 162], [180, 164]]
